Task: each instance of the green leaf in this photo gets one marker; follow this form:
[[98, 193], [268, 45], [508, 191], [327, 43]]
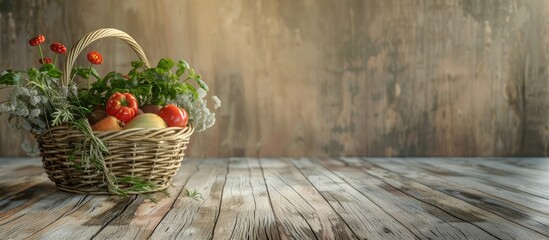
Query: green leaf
[[55, 73], [94, 73], [185, 64], [33, 73], [122, 90], [119, 83], [166, 64], [151, 75], [137, 64], [202, 84], [180, 88], [81, 72], [191, 88], [11, 77], [142, 91], [47, 67], [182, 66], [160, 72]]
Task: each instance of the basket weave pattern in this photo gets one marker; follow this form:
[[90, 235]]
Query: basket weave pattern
[[152, 155]]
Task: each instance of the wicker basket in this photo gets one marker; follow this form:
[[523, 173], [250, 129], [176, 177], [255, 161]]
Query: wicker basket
[[153, 155]]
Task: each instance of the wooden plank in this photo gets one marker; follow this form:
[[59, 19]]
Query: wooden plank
[[301, 212], [351, 184], [29, 195], [22, 183], [195, 218], [20, 179], [488, 213], [493, 175], [534, 164], [478, 196], [527, 168], [39, 215], [494, 188], [114, 217], [246, 212]]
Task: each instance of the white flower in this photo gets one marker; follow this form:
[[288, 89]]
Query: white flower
[[35, 100], [217, 102], [25, 91], [31, 149], [35, 112], [22, 112], [4, 107], [201, 93]]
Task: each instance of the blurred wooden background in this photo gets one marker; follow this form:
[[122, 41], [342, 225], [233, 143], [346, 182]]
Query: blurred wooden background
[[328, 78]]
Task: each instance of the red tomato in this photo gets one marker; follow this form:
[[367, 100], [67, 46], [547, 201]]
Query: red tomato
[[174, 116], [122, 106]]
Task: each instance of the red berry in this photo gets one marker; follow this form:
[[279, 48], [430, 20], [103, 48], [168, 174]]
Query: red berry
[[44, 61], [37, 40], [58, 48], [95, 57]]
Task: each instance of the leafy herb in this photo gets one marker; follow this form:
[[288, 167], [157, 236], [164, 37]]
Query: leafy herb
[[155, 85], [193, 194]]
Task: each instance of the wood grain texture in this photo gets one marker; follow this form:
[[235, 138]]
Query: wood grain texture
[[367, 219], [421, 218], [496, 215], [302, 212], [345, 78], [282, 198], [196, 218], [134, 218], [246, 211]]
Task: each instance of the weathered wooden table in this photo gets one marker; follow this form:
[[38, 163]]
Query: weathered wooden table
[[343, 198]]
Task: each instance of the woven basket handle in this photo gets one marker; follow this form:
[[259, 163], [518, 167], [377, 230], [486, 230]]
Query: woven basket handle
[[92, 37]]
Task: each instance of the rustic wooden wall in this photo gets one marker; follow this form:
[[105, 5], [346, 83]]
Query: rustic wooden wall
[[350, 77]]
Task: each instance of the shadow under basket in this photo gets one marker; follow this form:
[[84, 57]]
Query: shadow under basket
[[150, 155]]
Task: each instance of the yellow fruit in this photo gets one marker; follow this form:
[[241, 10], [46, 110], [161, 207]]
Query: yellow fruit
[[109, 123], [146, 120]]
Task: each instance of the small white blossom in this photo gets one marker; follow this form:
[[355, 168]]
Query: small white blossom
[[35, 112], [35, 100], [217, 102], [4, 108], [31, 148], [201, 93], [22, 112]]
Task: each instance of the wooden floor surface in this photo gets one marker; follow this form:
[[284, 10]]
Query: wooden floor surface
[[283, 198]]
